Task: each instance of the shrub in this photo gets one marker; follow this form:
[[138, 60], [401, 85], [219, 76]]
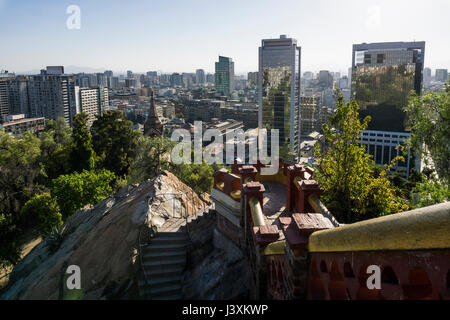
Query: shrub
[[41, 213]]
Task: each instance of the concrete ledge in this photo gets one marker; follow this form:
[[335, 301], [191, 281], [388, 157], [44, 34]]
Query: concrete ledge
[[275, 248], [226, 200], [424, 228]]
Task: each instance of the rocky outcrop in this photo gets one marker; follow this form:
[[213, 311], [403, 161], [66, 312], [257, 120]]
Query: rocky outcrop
[[104, 242]]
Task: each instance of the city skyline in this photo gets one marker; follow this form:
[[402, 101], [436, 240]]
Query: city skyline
[[192, 36]]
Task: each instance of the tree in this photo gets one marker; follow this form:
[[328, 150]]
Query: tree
[[114, 142], [41, 213], [82, 155], [61, 132], [9, 243], [76, 190], [56, 147], [347, 173], [19, 170], [429, 192], [199, 177], [428, 117], [152, 155]]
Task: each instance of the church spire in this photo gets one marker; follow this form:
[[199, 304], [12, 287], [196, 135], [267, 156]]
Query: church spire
[[153, 126]]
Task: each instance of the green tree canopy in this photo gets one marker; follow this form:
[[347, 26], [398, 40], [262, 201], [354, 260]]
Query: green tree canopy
[[76, 190], [19, 169], [56, 146], [114, 141], [153, 154], [428, 117], [82, 155], [41, 213], [347, 173]]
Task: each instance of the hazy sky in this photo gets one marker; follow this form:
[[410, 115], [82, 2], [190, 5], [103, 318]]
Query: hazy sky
[[185, 35]]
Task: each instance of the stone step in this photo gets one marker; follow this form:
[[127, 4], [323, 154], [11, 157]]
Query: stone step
[[164, 255], [163, 290], [167, 240], [168, 271], [176, 235], [160, 280], [168, 247], [172, 262]]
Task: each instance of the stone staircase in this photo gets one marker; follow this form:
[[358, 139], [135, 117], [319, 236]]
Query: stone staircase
[[164, 260]]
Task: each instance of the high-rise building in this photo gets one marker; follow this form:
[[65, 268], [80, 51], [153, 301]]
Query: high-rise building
[[252, 79], [426, 77], [52, 96], [441, 75], [325, 79], [55, 70], [102, 80], [200, 77], [92, 101], [309, 113], [224, 75], [383, 75], [176, 80], [5, 108], [210, 78], [279, 89]]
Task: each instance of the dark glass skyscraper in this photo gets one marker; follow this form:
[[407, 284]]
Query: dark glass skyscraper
[[279, 89], [383, 76], [224, 77]]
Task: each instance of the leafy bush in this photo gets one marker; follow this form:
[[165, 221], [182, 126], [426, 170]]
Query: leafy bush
[[76, 190], [41, 213], [429, 192]]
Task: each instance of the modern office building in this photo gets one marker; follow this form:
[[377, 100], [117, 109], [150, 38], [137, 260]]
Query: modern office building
[[200, 77], [441, 75], [279, 89], [383, 75], [176, 80], [224, 76]]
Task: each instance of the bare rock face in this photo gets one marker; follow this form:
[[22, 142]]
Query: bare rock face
[[104, 242]]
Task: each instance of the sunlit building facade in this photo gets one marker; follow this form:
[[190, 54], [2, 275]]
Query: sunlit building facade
[[279, 90], [383, 76]]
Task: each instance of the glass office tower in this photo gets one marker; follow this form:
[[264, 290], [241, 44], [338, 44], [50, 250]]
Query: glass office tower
[[279, 90], [383, 76], [224, 77]]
